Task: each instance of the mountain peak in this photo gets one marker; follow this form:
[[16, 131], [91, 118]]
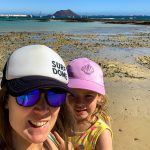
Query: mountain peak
[[65, 13]]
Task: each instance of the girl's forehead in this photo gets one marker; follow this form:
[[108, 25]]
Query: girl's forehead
[[83, 91]]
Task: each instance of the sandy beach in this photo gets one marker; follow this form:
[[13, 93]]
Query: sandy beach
[[125, 60]]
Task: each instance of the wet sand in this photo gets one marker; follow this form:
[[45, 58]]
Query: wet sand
[[125, 60], [129, 107]]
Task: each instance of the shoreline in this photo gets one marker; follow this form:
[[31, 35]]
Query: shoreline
[[104, 19], [115, 21], [125, 60]]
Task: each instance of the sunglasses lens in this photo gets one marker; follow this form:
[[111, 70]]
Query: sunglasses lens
[[28, 99], [55, 99]]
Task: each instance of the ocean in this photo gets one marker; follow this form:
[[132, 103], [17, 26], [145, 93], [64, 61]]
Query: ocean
[[22, 25]]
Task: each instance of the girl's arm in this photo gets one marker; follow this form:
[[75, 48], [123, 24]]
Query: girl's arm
[[104, 141]]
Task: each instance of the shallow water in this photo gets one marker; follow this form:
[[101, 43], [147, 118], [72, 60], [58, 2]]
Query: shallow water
[[71, 27], [126, 55]]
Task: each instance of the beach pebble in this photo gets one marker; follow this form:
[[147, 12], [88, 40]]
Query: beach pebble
[[136, 139], [120, 130]]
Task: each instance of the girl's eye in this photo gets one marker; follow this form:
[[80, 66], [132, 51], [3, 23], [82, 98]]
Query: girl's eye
[[71, 96], [89, 97]]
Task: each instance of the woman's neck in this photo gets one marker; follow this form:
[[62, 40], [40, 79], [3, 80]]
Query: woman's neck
[[20, 143], [31, 146]]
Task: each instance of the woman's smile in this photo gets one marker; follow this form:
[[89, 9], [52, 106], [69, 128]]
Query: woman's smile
[[37, 124]]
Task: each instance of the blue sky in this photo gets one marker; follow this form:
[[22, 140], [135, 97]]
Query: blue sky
[[101, 7]]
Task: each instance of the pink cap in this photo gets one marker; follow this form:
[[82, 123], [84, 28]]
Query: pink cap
[[86, 74]]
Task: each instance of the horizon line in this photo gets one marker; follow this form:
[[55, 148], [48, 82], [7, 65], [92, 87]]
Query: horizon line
[[87, 14]]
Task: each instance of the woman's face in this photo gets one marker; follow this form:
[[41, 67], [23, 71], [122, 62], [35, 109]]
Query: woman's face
[[83, 103], [32, 123]]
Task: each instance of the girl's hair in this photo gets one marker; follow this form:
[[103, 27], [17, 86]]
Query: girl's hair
[[5, 128], [102, 111]]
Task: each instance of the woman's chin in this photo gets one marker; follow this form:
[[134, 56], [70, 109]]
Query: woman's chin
[[37, 139]]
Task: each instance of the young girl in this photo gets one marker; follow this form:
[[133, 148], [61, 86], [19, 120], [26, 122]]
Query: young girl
[[33, 88], [88, 103]]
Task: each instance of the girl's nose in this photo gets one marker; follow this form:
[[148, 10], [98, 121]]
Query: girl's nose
[[79, 100]]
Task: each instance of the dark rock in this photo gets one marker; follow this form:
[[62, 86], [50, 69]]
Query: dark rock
[[120, 130], [136, 139], [65, 13]]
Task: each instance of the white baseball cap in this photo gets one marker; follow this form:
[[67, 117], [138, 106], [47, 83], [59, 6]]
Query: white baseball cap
[[32, 67]]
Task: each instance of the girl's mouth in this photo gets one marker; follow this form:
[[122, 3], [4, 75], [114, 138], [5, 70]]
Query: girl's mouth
[[80, 110]]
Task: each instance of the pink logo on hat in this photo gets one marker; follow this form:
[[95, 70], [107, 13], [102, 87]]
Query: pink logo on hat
[[87, 69]]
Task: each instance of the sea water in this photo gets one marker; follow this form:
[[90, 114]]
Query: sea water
[[70, 27]]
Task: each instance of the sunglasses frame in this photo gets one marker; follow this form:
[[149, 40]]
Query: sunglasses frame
[[45, 91]]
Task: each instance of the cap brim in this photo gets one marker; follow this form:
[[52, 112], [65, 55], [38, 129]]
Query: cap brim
[[85, 84], [19, 86]]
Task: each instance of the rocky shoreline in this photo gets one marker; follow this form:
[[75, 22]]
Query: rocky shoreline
[[115, 21], [82, 45], [135, 22]]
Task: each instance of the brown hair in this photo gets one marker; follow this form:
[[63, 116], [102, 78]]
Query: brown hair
[[65, 123], [5, 128]]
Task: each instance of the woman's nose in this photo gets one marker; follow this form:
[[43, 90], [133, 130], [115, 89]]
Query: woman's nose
[[42, 105]]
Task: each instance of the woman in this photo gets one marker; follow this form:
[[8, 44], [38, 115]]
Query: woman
[[33, 88]]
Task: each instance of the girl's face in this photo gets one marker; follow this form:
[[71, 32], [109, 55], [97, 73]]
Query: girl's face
[[83, 103], [31, 123]]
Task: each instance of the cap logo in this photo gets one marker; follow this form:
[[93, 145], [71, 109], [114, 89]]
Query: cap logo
[[59, 69], [87, 69]]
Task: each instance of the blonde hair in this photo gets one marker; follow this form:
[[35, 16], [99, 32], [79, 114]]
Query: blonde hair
[[101, 111]]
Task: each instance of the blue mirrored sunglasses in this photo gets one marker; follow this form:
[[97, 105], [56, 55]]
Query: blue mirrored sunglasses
[[54, 97]]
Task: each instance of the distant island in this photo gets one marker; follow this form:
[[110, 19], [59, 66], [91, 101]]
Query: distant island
[[65, 14], [70, 16]]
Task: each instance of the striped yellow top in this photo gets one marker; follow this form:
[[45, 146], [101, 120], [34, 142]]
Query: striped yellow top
[[87, 140]]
